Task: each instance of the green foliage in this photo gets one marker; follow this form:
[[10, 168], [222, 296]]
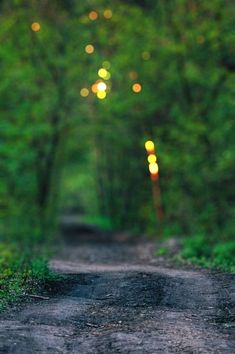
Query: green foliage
[[198, 250], [20, 274], [224, 256], [61, 150], [39, 268], [197, 246]]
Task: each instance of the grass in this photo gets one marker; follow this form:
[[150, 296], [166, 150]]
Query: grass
[[21, 273], [219, 255]]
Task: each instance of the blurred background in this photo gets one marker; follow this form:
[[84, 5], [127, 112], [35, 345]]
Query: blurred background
[[84, 84]]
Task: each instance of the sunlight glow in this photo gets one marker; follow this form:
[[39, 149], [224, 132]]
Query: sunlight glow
[[89, 49], [149, 146], [35, 26], [136, 88], [93, 15], [84, 92], [152, 158], [153, 168]]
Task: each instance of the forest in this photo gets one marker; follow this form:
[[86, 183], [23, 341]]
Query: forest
[[84, 85]]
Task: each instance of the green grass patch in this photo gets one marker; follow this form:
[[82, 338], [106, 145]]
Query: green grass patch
[[21, 273], [199, 250]]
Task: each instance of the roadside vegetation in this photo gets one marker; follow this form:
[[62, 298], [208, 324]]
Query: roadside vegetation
[[166, 70], [22, 274], [219, 255]]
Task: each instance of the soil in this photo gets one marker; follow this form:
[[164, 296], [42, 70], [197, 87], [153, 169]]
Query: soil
[[117, 297]]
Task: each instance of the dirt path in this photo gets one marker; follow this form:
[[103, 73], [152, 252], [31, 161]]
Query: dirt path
[[118, 298]]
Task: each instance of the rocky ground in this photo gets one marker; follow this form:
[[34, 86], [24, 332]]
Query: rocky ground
[[116, 297]]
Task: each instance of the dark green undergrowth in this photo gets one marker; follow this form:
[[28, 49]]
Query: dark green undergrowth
[[99, 221], [22, 272], [206, 253]]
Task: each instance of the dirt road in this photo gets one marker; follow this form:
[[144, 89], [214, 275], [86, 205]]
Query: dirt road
[[118, 298]]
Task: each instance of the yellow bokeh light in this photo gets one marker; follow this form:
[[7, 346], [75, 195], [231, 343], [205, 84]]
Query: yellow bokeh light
[[106, 64], [108, 14], [153, 168], [107, 76], [93, 15], [101, 95], [136, 88], [102, 73], [89, 49], [101, 86], [152, 158], [35, 26], [84, 92], [149, 145]]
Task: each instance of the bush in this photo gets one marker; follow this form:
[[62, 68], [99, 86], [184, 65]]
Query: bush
[[224, 255], [196, 246]]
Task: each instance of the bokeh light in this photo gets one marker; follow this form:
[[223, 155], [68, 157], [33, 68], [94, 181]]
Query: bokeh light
[[149, 145], [102, 73], [101, 86], [101, 95], [152, 158], [35, 26], [108, 14], [84, 92], [153, 168], [89, 49], [107, 76], [136, 88], [93, 15], [94, 88]]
